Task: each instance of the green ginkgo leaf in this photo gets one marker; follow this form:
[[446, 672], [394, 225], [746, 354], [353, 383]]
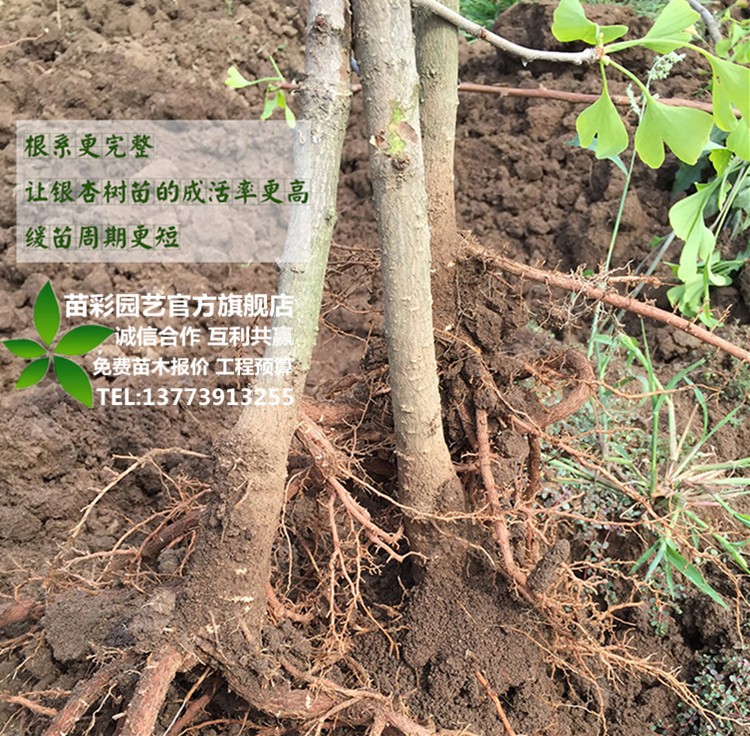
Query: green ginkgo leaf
[[271, 103], [720, 158], [670, 29], [80, 340], [571, 24], [74, 380], [47, 314], [690, 298], [26, 349], [685, 130], [602, 121], [686, 219], [730, 87], [33, 373], [738, 140], [235, 80]]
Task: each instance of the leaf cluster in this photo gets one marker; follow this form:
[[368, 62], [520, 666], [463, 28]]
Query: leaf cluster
[[686, 131]]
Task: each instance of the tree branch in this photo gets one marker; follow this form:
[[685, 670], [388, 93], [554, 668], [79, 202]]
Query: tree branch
[[708, 20], [576, 97], [585, 287], [587, 56], [548, 94]]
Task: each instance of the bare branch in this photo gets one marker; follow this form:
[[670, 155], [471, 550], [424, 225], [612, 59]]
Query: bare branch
[[708, 20], [585, 287], [549, 94], [576, 97], [587, 56]]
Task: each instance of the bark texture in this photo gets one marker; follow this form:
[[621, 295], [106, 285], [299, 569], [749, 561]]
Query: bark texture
[[385, 49], [437, 64], [224, 602]]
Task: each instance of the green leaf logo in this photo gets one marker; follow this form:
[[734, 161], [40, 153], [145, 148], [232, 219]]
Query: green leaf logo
[[25, 348], [78, 341], [33, 373], [47, 314], [74, 380], [83, 339]]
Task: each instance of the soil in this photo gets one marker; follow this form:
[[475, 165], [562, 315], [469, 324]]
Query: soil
[[520, 188]]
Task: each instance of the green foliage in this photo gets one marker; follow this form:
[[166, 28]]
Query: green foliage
[[275, 97], [725, 197], [722, 684], [730, 87], [685, 131], [736, 46], [672, 28], [77, 341], [658, 478], [602, 122], [484, 12]]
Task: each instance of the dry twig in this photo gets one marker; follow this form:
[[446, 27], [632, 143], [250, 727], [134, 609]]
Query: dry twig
[[592, 291]]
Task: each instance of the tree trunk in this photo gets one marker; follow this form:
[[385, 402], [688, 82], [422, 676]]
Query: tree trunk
[[437, 64], [385, 51], [224, 602]]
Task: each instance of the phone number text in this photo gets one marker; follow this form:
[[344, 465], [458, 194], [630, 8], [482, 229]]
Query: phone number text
[[195, 396]]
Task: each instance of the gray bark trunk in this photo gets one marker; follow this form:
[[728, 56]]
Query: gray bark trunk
[[437, 64], [385, 50], [224, 602]]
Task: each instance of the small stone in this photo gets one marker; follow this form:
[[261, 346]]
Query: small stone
[[529, 170], [538, 225], [17, 524], [139, 22]]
